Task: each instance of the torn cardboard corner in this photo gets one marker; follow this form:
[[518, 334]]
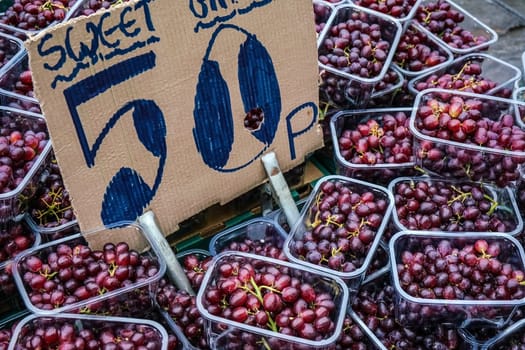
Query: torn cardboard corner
[[154, 106]]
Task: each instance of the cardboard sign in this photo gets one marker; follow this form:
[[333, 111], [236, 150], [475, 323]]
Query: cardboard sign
[[146, 102]]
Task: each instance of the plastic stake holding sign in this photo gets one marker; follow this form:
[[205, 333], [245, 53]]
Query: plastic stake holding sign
[[167, 106]]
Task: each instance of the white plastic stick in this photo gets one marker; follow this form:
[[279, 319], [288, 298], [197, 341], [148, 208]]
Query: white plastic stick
[[280, 188], [175, 271]]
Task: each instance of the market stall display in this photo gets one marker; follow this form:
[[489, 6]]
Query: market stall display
[[410, 215]]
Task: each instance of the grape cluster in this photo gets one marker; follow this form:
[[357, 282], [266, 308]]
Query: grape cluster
[[441, 19], [479, 124], [272, 296], [445, 269], [22, 140], [355, 44], [464, 76], [34, 15], [321, 15], [254, 118], [424, 204], [387, 83], [381, 139], [5, 336], [270, 244], [8, 49], [333, 89], [65, 334], [396, 8], [19, 80], [182, 309], [375, 306], [15, 238], [92, 6], [352, 337], [195, 266], [51, 205], [416, 51], [341, 225], [379, 261], [74, 273]]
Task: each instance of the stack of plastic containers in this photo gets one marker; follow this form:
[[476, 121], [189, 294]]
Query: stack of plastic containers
[[103, 289], [455, 237]]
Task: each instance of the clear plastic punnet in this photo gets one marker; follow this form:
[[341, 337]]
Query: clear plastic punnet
[[511, 338], [7, 326], [280, 218], [353, 336], [356, 60], [90, 331], [20, 102], [419, 53], [16, 237], [380, 264], [17, 82], [26, 149], [348, 213], [468, 136], [475, 72], [11, 48], [431, 296], [118, 276], [261, 236], [32, 18], [53, 233], [391, 82], [177, 307], [322, 12], [269, 287], [373, 310], [461, 206], [467, 35], [403, 11], [374, 145]]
